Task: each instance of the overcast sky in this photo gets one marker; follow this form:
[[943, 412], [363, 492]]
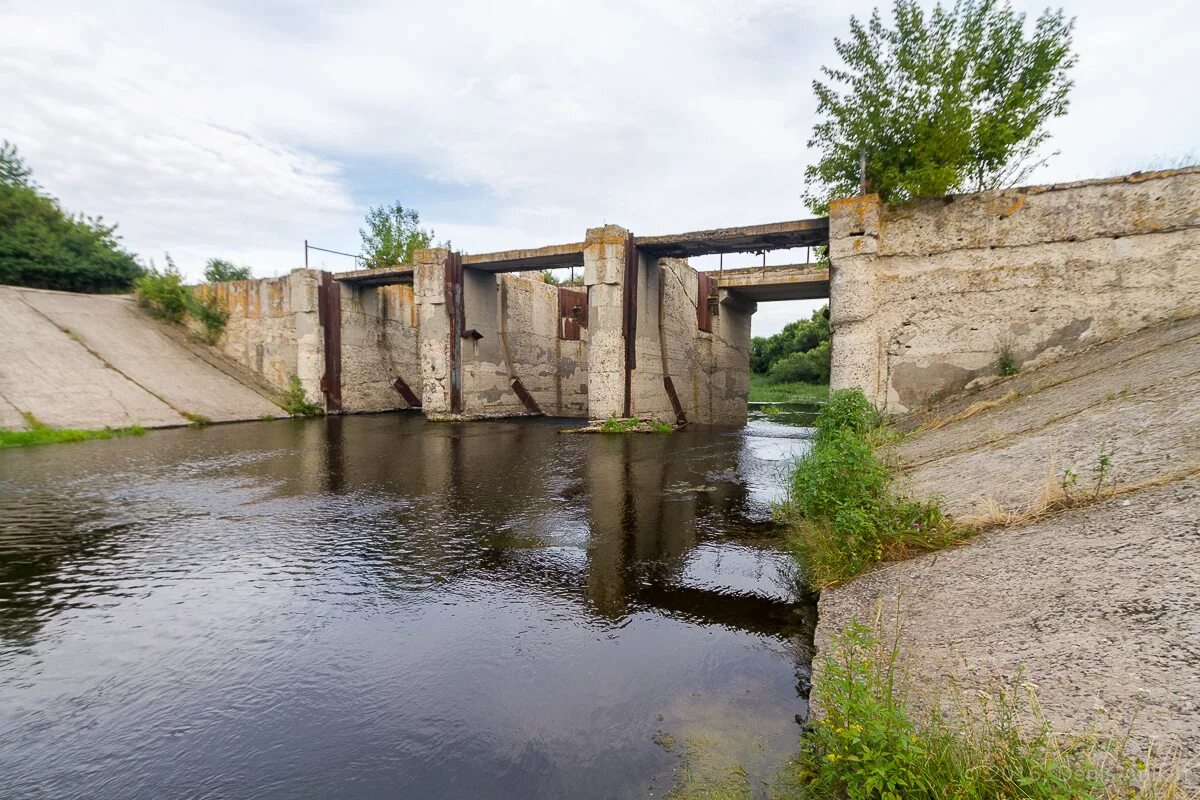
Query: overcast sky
[[240, 129]]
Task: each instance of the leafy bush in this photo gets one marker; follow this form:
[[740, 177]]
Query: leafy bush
[[43, 247], [163, 293], [296, 402], [218, 270], [800, 336], [842, 512], [870, 744], [208, 310], [812, 366]]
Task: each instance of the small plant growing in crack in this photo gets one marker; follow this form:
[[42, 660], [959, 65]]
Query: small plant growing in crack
[[1103, 468], [1006, 361]]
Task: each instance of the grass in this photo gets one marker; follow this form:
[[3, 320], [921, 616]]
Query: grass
[[870, 743], [616, 425], [842, 511], [762, 390], [295, 400], [41, 433]]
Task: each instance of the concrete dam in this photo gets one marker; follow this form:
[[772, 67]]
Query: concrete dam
[[924, 296]]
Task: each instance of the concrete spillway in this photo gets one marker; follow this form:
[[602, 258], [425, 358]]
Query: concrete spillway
[[91, 361]]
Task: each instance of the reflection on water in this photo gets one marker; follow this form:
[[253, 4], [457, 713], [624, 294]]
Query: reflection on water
[[381, 606]]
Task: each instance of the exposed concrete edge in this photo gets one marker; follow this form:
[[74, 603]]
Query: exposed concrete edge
[[913, 421]]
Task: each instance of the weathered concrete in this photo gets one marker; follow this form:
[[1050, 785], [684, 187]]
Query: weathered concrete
[[94, 361], [1100, 606], [926, 295], [707, 370], [510, 346], [274, 328], [379, 345], [1138, 398]]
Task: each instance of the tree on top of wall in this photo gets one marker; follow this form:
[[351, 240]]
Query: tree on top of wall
[[953, 100], [218, 270], [393, 234]]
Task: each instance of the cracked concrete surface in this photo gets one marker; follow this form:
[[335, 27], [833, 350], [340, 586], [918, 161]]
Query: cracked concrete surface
[[1099, 606]]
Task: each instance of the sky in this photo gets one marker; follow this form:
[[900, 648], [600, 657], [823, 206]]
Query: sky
[[239, 130]]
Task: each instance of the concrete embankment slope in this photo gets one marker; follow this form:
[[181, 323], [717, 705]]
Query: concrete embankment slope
[[1098, 605], [94, 361]]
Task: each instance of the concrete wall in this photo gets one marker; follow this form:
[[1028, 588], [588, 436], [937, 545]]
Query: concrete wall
[[274, 328], [379, 345], [925, 295], [511, 327]]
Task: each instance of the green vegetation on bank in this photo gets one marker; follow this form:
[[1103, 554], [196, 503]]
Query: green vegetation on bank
[[296, 402], [762, 390], [871, 743], [41, 433], [843, 510], [632, 425], [166, 297], [44, 247]]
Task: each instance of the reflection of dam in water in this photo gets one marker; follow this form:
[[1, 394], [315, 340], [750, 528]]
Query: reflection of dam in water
[[522, 609]]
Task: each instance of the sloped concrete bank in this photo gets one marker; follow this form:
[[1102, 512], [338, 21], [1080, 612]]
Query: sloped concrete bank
[[95, 361], [1098, 606]]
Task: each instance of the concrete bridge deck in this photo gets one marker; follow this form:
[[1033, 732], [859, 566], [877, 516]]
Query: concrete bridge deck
[[743, 239]]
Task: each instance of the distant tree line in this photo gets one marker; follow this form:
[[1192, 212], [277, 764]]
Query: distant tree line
[[798, 353], [44, 247]]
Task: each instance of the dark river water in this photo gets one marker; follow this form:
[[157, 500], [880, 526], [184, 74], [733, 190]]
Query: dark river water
[[379, 606]]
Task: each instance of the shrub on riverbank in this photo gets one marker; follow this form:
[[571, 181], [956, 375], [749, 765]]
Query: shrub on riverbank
[[296, 402], [165, 296], [842, 509], [869, 743]]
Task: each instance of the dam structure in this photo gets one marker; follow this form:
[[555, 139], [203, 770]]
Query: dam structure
[[926, 298]]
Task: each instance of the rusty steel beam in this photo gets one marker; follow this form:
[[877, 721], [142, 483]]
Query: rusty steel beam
[[676, 406], [748, 239], [456, 313], [526, 398], [629, 318], [409, 396], [329, 315]]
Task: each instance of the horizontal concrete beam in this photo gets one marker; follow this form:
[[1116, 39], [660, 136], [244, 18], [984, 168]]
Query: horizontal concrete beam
[[749, 239], [549, 257], [784, 282], [381, 276]]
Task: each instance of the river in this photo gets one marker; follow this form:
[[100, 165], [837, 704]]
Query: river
[[379, 606]]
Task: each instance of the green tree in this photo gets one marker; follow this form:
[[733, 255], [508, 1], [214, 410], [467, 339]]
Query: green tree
[[956, 100], [796, 338], [218, 270], [13, 170], [43, 247], [392, 235]]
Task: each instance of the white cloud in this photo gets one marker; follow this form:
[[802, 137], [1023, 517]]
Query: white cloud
[[239, 130]]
